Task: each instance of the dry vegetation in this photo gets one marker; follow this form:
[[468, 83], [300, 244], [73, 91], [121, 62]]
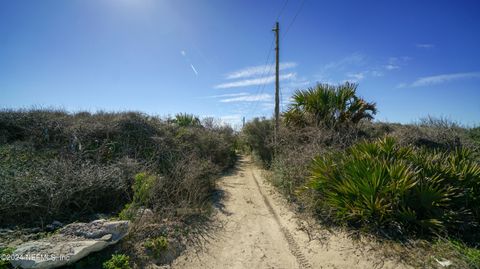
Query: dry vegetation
[[68, 167], [402, 183]]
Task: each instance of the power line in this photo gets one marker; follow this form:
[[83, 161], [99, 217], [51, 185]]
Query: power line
[[294, 18], [261, 88], [262, 77], [264, 73], [282, 9]]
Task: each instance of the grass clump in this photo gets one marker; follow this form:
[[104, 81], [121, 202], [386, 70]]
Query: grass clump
[[4, 253], [472, 255], [156, 246], [381, 184], [117, 261]]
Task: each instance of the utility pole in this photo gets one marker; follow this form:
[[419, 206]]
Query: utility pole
[[277, 81]]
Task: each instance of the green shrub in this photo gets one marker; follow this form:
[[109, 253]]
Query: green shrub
[[128, 212], [156, 246], [382, 184], [474, 133], [142, 188], [258, 134], [142, 191], [4, 264], [296, 149], [118, 261]]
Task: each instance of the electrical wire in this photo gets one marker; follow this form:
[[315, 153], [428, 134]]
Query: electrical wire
[[294, 18], [282, 9], [264, 74], [270, 65]]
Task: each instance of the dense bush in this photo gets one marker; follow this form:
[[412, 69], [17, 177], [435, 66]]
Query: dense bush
[[474, 134], [296, 149], [382, 184], [423, 179], [258, 136], [56, 165]]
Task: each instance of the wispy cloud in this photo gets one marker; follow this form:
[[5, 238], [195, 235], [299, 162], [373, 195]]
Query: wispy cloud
[[396, 62], [258, 70], [248, 98], [296, 84], [438, 79], [228, 95], [267, 106], [355, 77], [391, 67], [358, 67], [184, 54], [353, 68], [353, 59], [194, 70], [254, 81], [401, 85], [424, 46], [376, 73]]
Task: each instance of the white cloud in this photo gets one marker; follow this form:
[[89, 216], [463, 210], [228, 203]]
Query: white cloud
[[425, 46], [194, 70], [396, 62], [184, 54], [258, 70], [354, 59], [401, 85], [295, 84], [267, 106], [438, 79], [248, 98], [228, 95], [254, 81], [376, 73], [356, 76], [391, 67], [353, 68]]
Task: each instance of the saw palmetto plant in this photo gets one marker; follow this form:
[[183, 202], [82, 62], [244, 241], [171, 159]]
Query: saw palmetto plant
[[328, 105], [383, 184]]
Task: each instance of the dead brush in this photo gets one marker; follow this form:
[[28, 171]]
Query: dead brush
[[56, 165]]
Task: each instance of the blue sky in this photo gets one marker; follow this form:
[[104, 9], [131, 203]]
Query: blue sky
[[413, 58]]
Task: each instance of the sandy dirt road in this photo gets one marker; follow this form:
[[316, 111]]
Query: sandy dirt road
[[260, 231]]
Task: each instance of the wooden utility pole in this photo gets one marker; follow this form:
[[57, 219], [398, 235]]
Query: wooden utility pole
[[277, 80]]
